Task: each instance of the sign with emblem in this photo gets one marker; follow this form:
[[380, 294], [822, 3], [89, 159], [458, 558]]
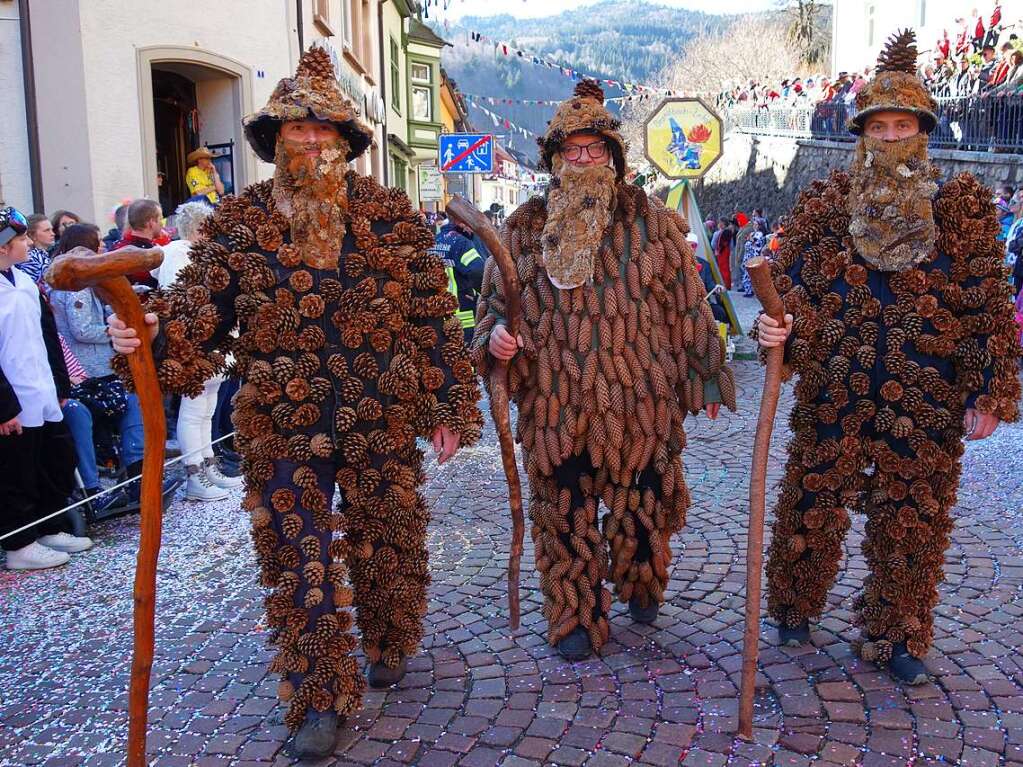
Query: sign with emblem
[[466, 153], [683, 138]]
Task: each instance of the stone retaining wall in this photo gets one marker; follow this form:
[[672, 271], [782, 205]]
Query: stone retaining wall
[[769, 171]]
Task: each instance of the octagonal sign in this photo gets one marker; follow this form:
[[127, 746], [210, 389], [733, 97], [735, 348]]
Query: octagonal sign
[[682, 138]]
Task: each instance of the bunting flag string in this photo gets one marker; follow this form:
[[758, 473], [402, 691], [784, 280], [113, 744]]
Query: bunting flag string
[[506, 49], [500, 121], [499, 100]]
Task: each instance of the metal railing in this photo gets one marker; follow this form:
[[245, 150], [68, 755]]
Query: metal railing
[[974, 123]]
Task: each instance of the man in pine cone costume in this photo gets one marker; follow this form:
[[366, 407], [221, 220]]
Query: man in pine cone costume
[[904, 342], [348, 351], [617, 344]]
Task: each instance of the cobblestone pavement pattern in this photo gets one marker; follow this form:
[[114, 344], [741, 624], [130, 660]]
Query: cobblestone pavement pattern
[[476, 696]]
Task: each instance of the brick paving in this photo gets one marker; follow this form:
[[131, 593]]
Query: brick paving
[[479, 696]]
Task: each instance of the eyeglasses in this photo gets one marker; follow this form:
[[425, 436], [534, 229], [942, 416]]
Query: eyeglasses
[[596, 150], [12, 223]]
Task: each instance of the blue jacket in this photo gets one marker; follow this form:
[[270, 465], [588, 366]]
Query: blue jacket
[[464, 266]]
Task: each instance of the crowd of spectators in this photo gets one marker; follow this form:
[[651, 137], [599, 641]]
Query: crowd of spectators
[[977, 81], [68, 426]]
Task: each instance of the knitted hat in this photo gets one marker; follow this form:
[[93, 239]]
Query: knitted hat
[[895, 86], [313, 93], [583, 113]]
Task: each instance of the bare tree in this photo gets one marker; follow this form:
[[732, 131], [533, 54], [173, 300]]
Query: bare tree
[[807, 29]]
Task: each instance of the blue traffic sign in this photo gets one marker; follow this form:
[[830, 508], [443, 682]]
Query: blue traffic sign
[[466, 153]]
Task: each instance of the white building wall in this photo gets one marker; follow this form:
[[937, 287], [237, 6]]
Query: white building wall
[[15, 176], [90, 95], [862, 26]]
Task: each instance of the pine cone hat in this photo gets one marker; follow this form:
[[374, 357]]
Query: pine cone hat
[[895, 86], [583, 113], [313, 93]]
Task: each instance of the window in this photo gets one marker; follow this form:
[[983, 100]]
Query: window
[[422, 103], [422, 92], [346, 23], [395, 76], [399, 174], [870, 24], [321, 16], [923, 13], [421, 73]]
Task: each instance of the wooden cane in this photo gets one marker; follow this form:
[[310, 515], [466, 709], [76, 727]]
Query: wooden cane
[[77, 270], [760, 275], [464, 210]]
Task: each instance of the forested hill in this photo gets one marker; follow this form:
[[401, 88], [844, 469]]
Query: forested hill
[[631, 41]]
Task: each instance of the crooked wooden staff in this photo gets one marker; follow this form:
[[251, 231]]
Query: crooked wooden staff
[[760, 275], [77, 270], [464, 210]]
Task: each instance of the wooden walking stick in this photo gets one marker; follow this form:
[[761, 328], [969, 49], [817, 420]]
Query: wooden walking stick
[[77, 270], [760, 275], [499, 409]]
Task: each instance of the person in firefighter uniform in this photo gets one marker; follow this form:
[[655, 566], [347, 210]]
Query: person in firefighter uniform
[[464, 267]]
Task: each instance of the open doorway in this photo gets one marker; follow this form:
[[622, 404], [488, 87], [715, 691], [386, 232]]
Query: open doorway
[[194, 106], [176, 119]]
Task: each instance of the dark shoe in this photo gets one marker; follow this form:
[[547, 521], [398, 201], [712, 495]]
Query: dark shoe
[[576, 646], [645, 615], [794, 637], [381, 676], [134, 490], [317, 736], [907, 668]]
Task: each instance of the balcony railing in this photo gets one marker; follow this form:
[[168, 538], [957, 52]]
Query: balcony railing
[[974, 123]]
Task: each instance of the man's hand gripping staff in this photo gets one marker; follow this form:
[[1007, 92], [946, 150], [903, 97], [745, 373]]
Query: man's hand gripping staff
[[499, 388]]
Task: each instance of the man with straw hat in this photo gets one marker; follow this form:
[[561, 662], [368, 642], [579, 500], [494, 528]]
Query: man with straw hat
[[618, 345], [901, 332], [348, 351], [201, 178]]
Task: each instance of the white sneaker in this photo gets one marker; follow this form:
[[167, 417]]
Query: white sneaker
[[199, 488], [71, 544], [35, 557], [218, 478]]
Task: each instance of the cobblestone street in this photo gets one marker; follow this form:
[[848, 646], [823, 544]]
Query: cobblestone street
[[478, 696]]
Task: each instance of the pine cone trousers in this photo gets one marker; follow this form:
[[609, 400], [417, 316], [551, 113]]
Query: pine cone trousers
[[369, 553], [576, 550], [906, 485]]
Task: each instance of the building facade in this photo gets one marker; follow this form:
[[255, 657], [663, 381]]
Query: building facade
[[137, 85], [860, 27], [424, 101]]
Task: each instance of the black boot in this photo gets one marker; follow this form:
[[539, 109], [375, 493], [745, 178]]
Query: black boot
[[645, 615], [794, 637], [381, 675], [134, 490], [907, 668], [576, 646], [317, 736]]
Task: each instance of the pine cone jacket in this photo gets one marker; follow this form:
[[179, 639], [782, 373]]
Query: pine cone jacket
[[353, 359], [929, 341], [611, 366]]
